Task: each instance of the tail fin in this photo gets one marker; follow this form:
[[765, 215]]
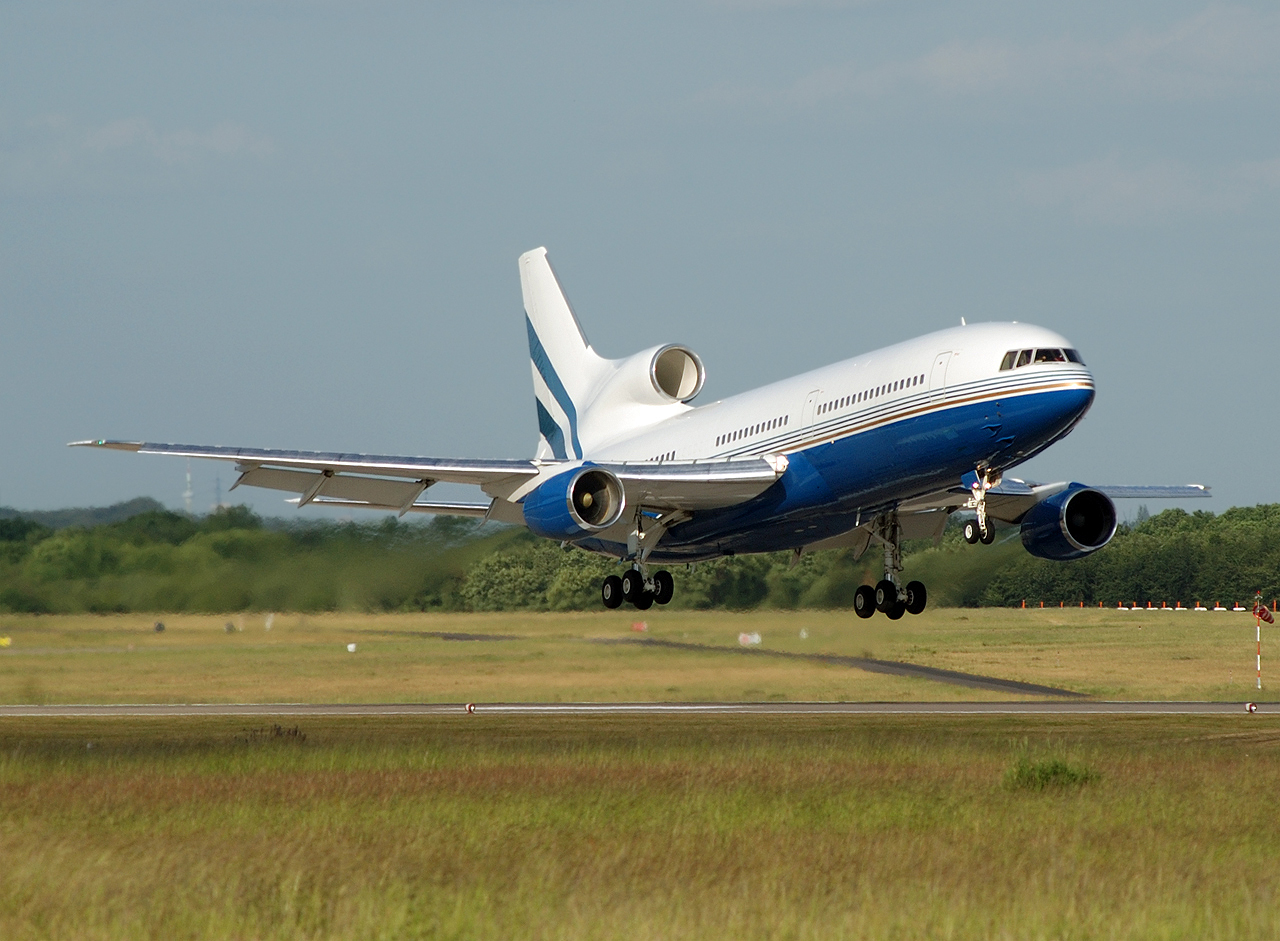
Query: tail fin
[[565, 368]]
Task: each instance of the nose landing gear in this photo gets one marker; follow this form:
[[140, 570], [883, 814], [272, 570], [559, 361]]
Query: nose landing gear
[[983, 528]]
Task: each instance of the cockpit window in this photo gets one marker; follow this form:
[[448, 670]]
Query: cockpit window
[[1050, 355], [1015, 359]]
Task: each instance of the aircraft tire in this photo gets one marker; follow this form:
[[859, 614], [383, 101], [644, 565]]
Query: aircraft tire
[[917, 597], [897, 611], [864, 601], [971, 532], [989, 535], [664, 587], [632, 586], [886, 595], [644, 601], [611, 592]]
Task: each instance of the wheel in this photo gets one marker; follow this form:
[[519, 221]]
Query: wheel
[[664, 587], [886, 595], [864, 601], [897, 611], [971, 532], [611, 592], [644, 600], [917, 597], [632, 586], [989, 534]]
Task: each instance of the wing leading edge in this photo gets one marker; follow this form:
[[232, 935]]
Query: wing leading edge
[[396, 482]]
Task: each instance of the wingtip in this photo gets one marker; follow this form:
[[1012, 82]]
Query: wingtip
[[105, 443]]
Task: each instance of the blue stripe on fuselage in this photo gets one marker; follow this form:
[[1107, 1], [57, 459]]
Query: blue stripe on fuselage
[[827, 486], [542, 363]]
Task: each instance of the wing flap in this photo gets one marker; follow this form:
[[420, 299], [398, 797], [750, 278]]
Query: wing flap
[[440, 509], [316, 484]]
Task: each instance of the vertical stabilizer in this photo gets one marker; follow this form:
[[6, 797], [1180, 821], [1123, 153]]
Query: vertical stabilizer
[[565, 368]]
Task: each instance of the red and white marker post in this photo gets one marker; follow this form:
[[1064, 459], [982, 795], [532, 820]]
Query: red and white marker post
[[1260, 613]]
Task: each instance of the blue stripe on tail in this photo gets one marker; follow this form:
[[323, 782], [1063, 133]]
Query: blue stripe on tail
[[542, 363], [551, 431]]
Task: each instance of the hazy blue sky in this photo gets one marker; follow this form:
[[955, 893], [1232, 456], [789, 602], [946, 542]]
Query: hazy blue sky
[[295, 224]]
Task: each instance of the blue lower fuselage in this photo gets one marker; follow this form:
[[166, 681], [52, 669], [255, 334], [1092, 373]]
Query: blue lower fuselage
[[831, 487]]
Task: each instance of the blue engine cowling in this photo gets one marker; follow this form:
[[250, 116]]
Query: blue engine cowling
[[1070, 524], [575, 504]]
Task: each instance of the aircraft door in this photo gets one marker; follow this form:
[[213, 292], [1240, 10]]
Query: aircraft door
[[810, 408], [938, 377]]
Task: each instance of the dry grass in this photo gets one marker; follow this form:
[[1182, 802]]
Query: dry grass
[[119, 658], [680, 828]]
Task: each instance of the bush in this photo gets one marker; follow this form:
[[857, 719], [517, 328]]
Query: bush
[[1029, 775]]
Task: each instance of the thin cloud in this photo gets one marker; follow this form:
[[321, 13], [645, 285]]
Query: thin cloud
[[1217, 51], [1112, 192], [53, 149]]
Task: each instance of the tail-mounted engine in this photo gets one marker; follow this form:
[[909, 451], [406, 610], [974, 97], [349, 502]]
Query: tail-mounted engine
[[575, 504], [663, 375], [1070, 524]]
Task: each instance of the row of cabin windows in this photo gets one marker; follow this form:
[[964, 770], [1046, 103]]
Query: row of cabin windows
[[867, 394], [669, 456], [753, 430], [1015, 358]]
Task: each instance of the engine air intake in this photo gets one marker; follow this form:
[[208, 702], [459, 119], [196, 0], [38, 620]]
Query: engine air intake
[[575, 504], [1070, 524], [677, 373]]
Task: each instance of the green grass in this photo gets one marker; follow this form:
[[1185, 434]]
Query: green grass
[[561, 657], [602, 828]]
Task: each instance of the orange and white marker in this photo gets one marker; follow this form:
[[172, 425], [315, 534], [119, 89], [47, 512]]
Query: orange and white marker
[[471, 708]]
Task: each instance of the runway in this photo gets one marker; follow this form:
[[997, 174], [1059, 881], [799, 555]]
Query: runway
[[298, 710], [870, 665]]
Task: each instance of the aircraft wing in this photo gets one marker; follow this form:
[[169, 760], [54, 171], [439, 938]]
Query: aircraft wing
[[394, 482], [1009, 500]]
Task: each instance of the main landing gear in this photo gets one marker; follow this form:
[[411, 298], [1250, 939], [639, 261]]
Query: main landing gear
[[888, 596], [635, 589]]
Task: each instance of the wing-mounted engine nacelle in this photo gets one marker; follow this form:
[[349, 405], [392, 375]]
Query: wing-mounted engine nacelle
[[663, 375], [1070, 524], [575, 504]]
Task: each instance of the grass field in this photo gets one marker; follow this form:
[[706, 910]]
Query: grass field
[[566, 657], [636, 828]]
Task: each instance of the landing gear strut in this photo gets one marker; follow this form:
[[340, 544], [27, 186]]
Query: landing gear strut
[[634, 588], [983, 528], [889, 597]]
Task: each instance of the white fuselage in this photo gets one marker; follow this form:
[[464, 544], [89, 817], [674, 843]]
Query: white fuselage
[[924, 375]]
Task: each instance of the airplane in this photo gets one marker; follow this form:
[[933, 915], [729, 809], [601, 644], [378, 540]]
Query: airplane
[[873, 450]]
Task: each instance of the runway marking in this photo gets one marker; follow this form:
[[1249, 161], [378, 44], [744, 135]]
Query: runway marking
[[265, 710], [871, 665]]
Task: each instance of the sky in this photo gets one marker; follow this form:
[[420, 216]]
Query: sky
[[282, 223]]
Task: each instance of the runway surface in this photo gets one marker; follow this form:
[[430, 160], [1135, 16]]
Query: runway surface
[[267, 710], [870, 665]]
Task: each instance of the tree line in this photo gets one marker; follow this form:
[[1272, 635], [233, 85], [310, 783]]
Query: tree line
[[233, 560]]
